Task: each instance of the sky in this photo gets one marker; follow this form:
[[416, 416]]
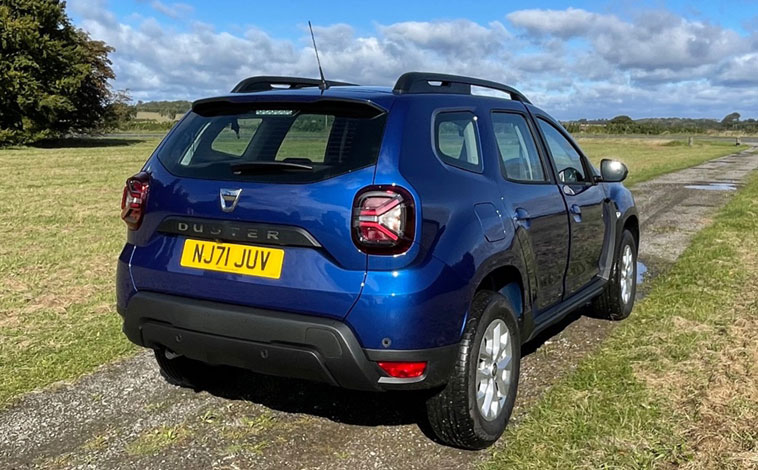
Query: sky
[[581, 59]]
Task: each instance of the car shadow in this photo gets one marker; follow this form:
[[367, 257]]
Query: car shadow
[[553, 330], [336, 404], [317, 399]]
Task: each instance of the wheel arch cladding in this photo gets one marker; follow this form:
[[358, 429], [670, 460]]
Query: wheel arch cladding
[[632, 224], [507, 281]]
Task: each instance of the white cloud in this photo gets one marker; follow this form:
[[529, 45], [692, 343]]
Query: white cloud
[[561, 23], [740, 71], [573, 62], [654, 40], [457, 38], [172, 10]]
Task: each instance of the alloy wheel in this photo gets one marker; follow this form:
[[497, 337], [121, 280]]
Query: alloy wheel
[[494, 370], [626, 275]]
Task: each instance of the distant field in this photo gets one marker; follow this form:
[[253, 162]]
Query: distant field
[[156, 116], [61, 235], [648, 158]]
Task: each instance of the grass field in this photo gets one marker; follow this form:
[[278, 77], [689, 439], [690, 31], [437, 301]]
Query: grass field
[[155, 116], [676, 385], [648, 158], [61, 235]]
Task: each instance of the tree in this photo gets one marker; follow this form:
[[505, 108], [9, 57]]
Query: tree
[[730, 120], [620, 125], [53, 77], [622, 119], [119, 112]]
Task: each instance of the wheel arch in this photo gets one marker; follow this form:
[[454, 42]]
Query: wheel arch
[[508, 282], [632, 224]]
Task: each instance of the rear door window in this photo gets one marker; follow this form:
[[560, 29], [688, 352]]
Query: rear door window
[[295, 143]]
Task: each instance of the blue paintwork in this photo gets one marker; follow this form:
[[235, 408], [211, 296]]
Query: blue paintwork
[[418, 307], [622, 198], [467, 223], [512, 292], [328, 287], [124, 284]]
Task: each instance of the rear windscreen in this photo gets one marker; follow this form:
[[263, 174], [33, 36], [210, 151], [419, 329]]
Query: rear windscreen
[[287, 143]]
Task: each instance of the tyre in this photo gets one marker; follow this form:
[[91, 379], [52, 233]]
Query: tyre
[[617, 300], [471, 412], [183, 371]]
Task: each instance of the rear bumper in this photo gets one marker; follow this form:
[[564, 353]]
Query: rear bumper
[[274, 343]]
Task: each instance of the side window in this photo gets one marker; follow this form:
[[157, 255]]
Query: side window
[[567, 160], [235, 137], [456, 139], [521, 161]]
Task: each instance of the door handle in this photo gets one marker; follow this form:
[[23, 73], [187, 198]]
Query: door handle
[[576, 210], [522, 214]]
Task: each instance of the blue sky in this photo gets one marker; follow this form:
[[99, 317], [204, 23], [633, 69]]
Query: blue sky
[[579, 59]]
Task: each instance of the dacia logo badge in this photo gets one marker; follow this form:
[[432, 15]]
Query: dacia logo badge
[[229, 199]]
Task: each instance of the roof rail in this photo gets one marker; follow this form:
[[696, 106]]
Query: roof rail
[[266, 83], [418, 82]]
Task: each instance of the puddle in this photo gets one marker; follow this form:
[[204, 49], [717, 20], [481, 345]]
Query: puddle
[[713, 187], [641, 270]]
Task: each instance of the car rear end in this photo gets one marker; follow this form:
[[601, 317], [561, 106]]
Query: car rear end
[[250, 231]]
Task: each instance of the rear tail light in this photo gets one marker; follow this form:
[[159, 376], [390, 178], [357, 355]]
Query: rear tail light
[[134, 199], [403, 370], [383, 220]]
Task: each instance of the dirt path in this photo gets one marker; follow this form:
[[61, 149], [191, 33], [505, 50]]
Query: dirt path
[[125, 416]]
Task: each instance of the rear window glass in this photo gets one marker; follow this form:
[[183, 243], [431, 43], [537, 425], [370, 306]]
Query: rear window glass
[[235, 141], [308, 138], [275, 142]]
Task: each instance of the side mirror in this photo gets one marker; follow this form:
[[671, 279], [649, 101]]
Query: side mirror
[[613, 171]]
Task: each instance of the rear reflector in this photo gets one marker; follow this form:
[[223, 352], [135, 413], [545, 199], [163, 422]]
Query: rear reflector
[[403, 370]]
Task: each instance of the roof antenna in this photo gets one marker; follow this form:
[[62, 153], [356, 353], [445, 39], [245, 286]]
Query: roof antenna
[[323, 86]]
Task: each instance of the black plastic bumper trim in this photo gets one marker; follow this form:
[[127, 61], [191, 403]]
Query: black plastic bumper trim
[[241, 232], [272, 342]]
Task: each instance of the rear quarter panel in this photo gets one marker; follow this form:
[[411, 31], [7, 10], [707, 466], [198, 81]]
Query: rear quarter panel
[[428, 291]]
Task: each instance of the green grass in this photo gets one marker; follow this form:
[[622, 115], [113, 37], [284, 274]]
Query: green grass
[[676, 383], [155, 440], [60, 236], [648, 158]]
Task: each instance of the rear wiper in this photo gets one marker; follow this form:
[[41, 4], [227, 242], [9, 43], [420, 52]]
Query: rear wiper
[[267, 167]]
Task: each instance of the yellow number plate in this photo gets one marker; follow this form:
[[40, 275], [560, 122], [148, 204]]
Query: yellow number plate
[[233, 258]]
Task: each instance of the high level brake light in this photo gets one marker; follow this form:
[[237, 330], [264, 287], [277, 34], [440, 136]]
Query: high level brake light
[[383, 220], [134, 200]]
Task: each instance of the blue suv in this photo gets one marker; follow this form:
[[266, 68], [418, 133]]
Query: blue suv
[[373, 239]]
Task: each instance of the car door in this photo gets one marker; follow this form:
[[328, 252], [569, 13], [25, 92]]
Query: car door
[[535, 204], [584, 200]]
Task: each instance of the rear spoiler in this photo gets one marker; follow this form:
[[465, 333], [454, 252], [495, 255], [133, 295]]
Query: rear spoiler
[[223, 105], [268, 83]]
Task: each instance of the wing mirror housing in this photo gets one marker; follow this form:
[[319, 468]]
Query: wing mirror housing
[[613, 171]]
